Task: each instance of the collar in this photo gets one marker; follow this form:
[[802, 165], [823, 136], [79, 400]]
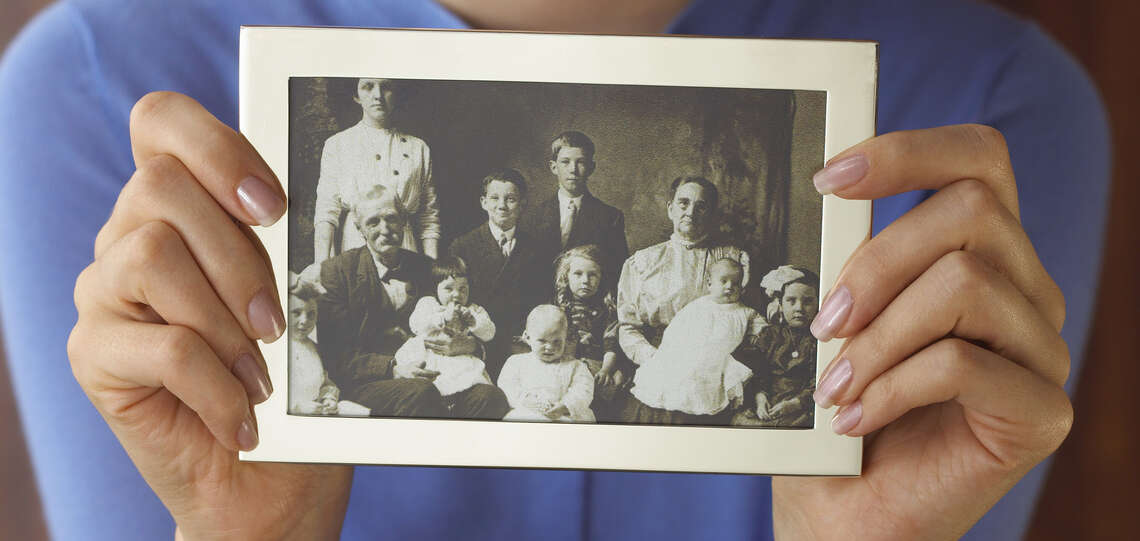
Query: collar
[[687, 244], [498, 233], [382, 270], [564, 198]]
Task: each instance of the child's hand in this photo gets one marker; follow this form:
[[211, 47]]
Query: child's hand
[[465, 317], [762, 407], [618, 378], [169, 312], [783, 406], [604, 375], [557, 412], [328, 406]]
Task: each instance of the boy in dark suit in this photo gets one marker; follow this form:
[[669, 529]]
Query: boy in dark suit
[[507, 267], [574, 217]]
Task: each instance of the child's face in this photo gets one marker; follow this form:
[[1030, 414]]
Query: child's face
[[725, 283], [502, 203], [453, 291], [799, 305], [302, 316], [583, 277], [572, 167], [547, 339]]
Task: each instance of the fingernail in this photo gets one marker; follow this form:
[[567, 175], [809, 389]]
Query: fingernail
[[246, 435], [840, 174], [833, 314], [260, 201], [832, 383], [848, 418], [256, 383], [266, 317]]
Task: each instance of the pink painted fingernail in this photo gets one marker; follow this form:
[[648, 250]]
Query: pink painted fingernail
[[848, 418], [265, 316], [260, 201], [840, 174], [833, 383], [247, 435], [253, 378], [832, 315]]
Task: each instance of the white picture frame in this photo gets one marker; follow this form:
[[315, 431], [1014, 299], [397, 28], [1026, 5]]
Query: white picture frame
[[845, 70]]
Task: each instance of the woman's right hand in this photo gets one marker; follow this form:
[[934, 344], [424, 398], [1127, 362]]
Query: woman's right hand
[[169, 314]]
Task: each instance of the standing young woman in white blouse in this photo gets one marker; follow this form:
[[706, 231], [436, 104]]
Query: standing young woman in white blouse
[[372, 153]]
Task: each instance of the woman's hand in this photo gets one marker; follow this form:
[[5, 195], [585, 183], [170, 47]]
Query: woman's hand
[[954, 364], [169, 312]]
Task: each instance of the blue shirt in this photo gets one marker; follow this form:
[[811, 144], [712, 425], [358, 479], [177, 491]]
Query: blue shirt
[[67, 85]]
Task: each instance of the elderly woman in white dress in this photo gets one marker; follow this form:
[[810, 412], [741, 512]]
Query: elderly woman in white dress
[[658, 281], [368, 154]]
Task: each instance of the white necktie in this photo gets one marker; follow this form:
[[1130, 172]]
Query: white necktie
[[504, 243], [568, 221]]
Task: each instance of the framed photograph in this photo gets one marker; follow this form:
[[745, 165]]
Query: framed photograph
[[552, 250]]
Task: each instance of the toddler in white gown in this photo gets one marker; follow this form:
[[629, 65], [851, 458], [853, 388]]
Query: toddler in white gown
[[547, 384], [693, 370], [448, 312]]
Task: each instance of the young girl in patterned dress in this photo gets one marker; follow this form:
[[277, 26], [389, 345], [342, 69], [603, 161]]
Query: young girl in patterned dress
[[780, 393]]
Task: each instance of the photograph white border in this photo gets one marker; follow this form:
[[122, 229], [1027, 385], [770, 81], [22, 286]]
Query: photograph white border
[[846, 70]]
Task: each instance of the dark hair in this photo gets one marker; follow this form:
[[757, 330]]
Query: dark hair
[[809, 279], [573, 139], [506, 175], [447, 266], [353, 86], [709, 189], [304, 291]]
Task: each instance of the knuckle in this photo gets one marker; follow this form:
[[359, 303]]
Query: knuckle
[[986, 137], [873, 259], [1056, 421], [179, 351], [1063, 422], [957, 359], [152, 243], [103, 239], [991, 146], [83, 288], [77, 344], [156, 174], [151, 106], [963, 275], [977, 201], [154, 179]]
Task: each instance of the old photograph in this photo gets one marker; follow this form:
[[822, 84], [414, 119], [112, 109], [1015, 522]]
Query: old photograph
[[553, 252], [534, 250]]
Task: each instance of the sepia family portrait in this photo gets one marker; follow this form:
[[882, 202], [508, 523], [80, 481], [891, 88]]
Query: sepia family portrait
[[553, 251]]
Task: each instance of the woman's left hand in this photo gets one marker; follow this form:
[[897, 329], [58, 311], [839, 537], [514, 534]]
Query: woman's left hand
[[954, 366]]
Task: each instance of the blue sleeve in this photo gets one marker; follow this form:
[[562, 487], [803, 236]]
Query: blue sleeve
[[62, 163], [1057, 131]]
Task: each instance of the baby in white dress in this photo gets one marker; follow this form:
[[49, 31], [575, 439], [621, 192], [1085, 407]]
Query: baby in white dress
[[547, 384], [693, 370], [448, 312]]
